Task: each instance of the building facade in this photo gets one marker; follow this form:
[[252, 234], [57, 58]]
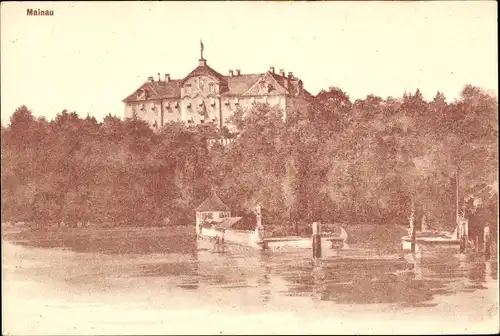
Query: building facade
[[205, 95]]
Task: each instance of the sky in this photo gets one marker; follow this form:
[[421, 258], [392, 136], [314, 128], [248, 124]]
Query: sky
[[89, 56]]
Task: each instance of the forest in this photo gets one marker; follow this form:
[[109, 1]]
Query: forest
[[371, 160]]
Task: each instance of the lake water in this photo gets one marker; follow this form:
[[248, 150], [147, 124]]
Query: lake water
[[156, 281]]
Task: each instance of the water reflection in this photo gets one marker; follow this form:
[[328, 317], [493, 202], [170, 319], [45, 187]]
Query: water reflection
[[111, 241], [264, 279], [412, 280]]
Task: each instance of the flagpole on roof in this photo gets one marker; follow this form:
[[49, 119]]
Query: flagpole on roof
[[201, 48]]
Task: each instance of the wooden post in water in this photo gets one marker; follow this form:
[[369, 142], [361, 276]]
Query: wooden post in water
[[413, 238], [487, 242], [316, 240], [413, 228], [463, 235]]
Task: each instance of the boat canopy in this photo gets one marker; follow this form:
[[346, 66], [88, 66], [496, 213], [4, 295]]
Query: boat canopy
[[226, 223]]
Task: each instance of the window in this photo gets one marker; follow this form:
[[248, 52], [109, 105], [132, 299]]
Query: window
[[168, 108], [207, 215]]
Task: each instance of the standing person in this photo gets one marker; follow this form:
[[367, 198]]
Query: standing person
[[216, 242], [222, 240]]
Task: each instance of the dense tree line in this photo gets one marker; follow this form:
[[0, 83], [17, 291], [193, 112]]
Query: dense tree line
[[373, 161]]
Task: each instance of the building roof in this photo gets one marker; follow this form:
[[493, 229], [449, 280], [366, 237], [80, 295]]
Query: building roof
[[157, 90], [172, 89], [236, 85], [204, 70], [213, 203]]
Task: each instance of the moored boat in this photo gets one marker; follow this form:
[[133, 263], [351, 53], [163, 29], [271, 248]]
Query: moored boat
[[329, 241], [430, 239], [214, 228]]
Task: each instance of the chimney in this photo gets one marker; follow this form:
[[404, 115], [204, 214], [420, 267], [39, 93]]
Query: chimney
[[231, 73], [282, 72], [290, 75], [167, 78], [301, 87], [159, 78], [271, 69], [238, 72], [151, 79]]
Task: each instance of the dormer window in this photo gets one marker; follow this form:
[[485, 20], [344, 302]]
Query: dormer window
[[265, 87]]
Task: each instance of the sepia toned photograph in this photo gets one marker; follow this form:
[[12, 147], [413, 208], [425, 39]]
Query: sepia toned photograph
[[250, 168]]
